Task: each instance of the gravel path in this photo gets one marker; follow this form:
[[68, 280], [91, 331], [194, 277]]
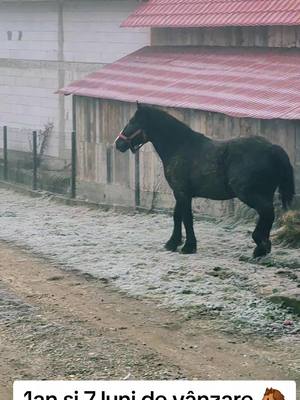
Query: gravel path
[[221, 280]]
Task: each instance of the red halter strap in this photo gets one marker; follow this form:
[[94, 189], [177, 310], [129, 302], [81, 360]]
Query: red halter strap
[[128, 138]]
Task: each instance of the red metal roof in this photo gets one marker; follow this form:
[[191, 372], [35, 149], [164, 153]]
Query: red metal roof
[[197, 13], [258, 83]]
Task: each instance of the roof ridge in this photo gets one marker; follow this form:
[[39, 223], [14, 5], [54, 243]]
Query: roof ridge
[[187, 13]]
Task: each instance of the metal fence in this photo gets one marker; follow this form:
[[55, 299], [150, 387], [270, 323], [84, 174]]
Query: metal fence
[[36, 161]]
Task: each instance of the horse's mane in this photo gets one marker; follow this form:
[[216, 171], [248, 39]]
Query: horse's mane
[[172, 123], [277, 395]]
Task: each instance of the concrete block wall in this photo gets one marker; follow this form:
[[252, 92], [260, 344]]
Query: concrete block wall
[[92, 33], [28, 31], [44, 46], [27, 102]]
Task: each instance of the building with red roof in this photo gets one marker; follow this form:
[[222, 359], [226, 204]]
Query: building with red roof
[[227, 68]]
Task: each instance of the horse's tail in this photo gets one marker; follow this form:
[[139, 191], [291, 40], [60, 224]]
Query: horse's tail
[[286, 177]]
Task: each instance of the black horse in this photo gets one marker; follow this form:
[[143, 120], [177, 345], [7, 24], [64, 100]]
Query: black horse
[[249, 168]]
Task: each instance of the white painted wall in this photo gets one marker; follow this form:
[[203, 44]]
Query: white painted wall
[[27, 103], [45, 45], [92, 31], [28, 31]]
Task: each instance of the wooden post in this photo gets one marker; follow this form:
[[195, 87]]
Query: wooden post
[[35, 160], [5, 166], [137, 180], [73, 150], [73, 177], [297, 159]]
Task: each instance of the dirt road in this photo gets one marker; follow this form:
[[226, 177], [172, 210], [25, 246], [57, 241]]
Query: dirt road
[[56, 324]]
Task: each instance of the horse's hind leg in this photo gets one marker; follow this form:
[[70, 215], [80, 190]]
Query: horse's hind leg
[[176, 238], [261, 235]]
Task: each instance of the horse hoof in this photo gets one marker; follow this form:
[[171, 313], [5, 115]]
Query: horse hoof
[[189, 249], [171, 246], [262, 249]]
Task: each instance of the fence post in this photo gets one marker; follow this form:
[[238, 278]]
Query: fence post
[[137, 190], [5, 166], [73, 177], [35, 160]]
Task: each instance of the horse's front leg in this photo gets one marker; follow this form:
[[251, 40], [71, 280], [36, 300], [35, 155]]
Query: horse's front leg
[[176, 238], [190, 245]]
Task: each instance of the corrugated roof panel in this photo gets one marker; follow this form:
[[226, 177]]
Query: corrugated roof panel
[[206, 13], [257, 83]]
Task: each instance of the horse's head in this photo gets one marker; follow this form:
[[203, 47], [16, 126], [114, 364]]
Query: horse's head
[[273, 394], [133, 136]]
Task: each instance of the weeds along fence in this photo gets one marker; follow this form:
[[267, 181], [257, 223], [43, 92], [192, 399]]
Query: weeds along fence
[[36, 175]]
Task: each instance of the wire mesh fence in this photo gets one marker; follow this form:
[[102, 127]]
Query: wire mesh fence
[[31, 169]]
